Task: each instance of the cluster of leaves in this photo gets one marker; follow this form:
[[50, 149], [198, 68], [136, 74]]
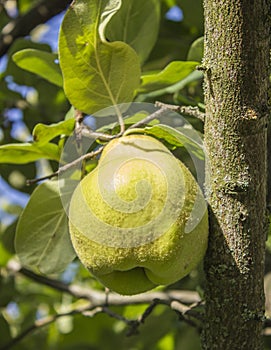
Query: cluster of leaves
[[110, 53], [103, 47]]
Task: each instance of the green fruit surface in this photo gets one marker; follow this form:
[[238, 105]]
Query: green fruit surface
[[113, 215]]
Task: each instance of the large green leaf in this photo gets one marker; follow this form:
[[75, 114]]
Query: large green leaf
[[21, 153], [96, 73], [42, 238], [43, 133], [170, 75], [41, 63], [137, 24]]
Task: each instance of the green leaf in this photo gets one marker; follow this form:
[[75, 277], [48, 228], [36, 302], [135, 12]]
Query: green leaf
[[172, 89], [170, 75], [42, 133], [21, 153], [195, 52], [41, 63], [137, 24], [19, 75], [96, 73], [173, 137], [42, 238]]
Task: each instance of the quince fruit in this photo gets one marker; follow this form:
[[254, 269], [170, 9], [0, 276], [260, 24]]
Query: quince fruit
[[139, 219]]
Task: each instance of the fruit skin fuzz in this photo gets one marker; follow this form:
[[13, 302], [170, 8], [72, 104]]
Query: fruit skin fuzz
[[139, 219]]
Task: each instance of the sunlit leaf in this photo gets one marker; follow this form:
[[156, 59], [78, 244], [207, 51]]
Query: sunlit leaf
[[137, 24], [41, 63], [96, 73], [21, 153], [44, 133], [19, 75], [42, 238], [170, 75]]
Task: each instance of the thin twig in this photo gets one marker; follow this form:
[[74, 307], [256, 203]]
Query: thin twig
[[116, 316], [187, 110], [88, 132], [149, 118], [141, 319], [188, 314], [66, 167]]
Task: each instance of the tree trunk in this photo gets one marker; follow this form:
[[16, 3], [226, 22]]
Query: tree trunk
[[236, 65]]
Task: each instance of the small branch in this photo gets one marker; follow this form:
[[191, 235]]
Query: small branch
[[88, 132], [66, 167], [97, 302], [187, 110], [96, 297], [116, 316], [135, 325], [23, 25], [149, 118], [188, 313]]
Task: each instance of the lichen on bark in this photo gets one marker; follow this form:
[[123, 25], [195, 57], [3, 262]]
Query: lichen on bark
[[236, 63]]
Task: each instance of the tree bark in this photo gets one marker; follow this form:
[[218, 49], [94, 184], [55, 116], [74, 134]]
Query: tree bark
[[236, 65]]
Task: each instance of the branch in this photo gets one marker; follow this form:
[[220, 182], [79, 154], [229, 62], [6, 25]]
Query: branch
[[96, 297], [23, 25], [186, 110], [149, 118], [87, 132], [98, 303], [189, 314], [66, 167]]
